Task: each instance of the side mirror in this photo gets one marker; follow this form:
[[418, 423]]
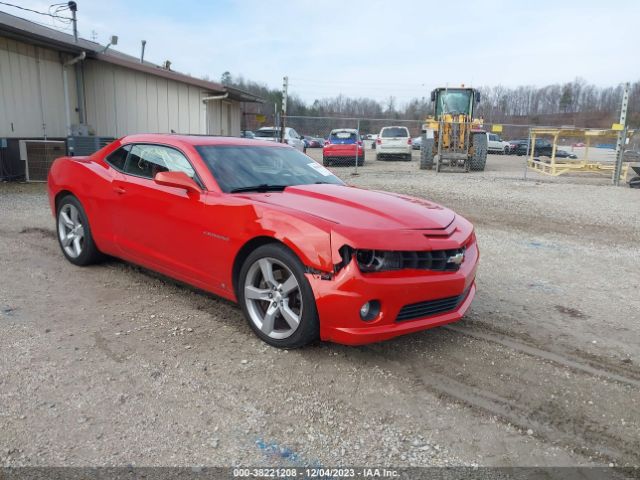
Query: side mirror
[[477, 97], [177, 180], [301, 137], [433, 95]]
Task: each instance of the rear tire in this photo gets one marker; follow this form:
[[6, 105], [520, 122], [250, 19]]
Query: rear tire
[[478, 160], [326, 162], [274, 293], [426, 153], [74, 233]]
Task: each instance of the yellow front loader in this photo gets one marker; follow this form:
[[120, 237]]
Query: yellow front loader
[[453, 137]]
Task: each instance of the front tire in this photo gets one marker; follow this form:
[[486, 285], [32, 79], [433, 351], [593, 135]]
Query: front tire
[[276, 297], [74, 233]]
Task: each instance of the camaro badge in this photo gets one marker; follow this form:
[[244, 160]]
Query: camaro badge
[[456, 259]]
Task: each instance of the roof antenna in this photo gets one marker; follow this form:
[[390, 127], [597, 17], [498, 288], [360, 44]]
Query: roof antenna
[[144, 43]]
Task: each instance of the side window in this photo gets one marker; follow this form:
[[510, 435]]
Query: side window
[[176, 162], [293, 133], [119, 157], [149, 160]]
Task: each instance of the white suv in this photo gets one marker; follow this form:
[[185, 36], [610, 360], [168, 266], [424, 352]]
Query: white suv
[[393, 142], [272, 134], [496, 145]]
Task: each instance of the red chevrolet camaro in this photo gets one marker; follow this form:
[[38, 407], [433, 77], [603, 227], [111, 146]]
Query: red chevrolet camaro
[[264, 225]]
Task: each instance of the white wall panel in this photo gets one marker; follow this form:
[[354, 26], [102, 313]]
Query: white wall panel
[[119, 101], [31, 91]]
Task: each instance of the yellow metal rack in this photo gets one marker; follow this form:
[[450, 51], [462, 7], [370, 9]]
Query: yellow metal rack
[[556, 167]]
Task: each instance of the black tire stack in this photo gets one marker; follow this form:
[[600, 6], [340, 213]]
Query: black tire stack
[[426, 153]]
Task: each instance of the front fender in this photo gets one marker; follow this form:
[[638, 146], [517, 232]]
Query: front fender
[[309, 240]]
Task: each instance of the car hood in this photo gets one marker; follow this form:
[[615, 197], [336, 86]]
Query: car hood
[[359, 208]]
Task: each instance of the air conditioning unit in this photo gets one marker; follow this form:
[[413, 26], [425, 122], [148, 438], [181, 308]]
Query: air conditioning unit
[[38, 156]]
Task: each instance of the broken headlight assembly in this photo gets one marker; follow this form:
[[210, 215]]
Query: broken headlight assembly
[[378, 260]]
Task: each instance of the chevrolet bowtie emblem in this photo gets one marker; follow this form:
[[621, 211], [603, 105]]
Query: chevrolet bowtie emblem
[[456, 259]]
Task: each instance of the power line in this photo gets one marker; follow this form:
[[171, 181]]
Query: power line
[[52, 26], [34, 11]]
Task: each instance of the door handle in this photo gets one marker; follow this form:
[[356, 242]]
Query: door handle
[[119, 190]]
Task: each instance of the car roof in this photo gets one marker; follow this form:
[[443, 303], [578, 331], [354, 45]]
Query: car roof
[[394, 126], [195, 140]]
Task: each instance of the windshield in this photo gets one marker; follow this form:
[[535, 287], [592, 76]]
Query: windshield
[[270, 133], [391, 132], [453, 102], [245, 167]]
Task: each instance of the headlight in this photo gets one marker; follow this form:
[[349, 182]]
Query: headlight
[[378, 260]]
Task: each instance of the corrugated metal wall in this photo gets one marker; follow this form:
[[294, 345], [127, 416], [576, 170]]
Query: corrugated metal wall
[[31, 92], [121, 101], [223, 118]]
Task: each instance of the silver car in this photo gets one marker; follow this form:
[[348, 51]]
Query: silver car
[[272, 134]]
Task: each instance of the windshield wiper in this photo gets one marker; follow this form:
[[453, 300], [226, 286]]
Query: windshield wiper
[[260, 188]]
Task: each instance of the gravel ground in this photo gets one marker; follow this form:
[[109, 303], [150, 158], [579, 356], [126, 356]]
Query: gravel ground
[[114, 365]]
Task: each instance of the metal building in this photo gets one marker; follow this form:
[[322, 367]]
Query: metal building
[[52, 87]]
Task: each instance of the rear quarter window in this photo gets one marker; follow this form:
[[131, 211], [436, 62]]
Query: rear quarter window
[[119, 157]]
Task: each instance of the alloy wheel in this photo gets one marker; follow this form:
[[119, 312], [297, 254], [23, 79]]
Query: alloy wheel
[[273, 298], [70, 230]]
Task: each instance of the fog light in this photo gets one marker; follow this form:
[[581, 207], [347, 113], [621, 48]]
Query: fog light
[[370, 310]]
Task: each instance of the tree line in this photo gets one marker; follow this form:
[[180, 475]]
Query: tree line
[[573, 103]]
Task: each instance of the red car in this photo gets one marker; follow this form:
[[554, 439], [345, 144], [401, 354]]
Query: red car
[[341, 147], [262, 224]]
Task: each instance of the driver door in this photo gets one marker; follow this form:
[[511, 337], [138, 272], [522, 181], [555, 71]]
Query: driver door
[[159, 226]]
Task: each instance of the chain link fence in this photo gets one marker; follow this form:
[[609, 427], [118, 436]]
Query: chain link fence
[[352, 142], [332, 141]]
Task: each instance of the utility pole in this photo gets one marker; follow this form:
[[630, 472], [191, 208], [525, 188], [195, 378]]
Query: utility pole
[[622, 135], [357, 145], [74, 8], [283, 115]]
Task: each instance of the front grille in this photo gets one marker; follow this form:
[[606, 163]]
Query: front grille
[[430, 307], [431, 260]]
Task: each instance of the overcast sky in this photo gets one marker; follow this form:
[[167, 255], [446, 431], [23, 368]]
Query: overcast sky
[[373, 48]]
